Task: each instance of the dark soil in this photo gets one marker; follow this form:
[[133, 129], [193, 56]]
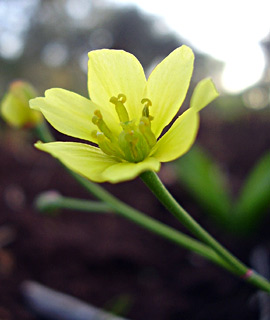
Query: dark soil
[[102, 258]]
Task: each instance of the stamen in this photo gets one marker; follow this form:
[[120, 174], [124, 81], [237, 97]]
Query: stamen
[[106, 145], [145, 129], [99, 122], [145, 123], [120, 108], [132, 140], [147, 102], [122, 98]]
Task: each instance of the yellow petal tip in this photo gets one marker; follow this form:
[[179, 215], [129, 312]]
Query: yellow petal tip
[[204, 93]]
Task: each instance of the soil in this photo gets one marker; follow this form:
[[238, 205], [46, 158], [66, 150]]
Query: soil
[[104, 259]]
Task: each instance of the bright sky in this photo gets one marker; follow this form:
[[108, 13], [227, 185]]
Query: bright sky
[[227, 30]]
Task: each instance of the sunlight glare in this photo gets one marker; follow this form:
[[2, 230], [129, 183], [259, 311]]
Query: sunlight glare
[[229, 31]]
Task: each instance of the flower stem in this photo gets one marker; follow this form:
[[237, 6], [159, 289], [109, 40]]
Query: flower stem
[[50, 201], [43, 132], [151, 224], [153, 182]]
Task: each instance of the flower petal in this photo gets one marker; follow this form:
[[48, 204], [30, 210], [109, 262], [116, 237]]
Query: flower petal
[[127, 171], [167, 86], [67, 112], [179, 138], [71, 113], [84, 159], [204, 93], [111, 72]]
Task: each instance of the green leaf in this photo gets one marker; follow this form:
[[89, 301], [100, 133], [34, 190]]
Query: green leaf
[[254, 198], [204, 179]]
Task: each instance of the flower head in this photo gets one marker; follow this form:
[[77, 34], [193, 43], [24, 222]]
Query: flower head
[[15, 105], [126, 115]]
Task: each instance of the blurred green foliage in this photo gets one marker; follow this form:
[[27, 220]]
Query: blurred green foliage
[[206, 182]]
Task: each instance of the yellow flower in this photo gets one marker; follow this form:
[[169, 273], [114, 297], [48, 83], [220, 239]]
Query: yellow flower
[[126, 115], [15, 105]]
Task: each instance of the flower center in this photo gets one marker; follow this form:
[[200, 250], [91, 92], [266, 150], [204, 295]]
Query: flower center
[[134, 142]]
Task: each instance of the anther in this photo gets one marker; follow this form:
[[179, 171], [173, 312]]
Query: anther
[[98, 114], [147, 102], [94, 134], [97, 117], [122, 98]]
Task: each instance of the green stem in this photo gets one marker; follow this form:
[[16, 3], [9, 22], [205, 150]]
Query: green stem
[[43, 132], [50, 201], [151, 224], [156, 186]]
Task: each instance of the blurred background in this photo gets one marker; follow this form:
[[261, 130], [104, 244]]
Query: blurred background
[[46, 42], [102, 259]]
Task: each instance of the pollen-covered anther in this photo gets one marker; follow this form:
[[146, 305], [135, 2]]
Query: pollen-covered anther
[[120, 108]]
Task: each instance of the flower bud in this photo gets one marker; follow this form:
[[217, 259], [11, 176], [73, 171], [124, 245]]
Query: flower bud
[[15, 108]]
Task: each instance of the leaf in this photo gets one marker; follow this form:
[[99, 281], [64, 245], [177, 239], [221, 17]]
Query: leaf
[[254, 198], [204, 179]]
